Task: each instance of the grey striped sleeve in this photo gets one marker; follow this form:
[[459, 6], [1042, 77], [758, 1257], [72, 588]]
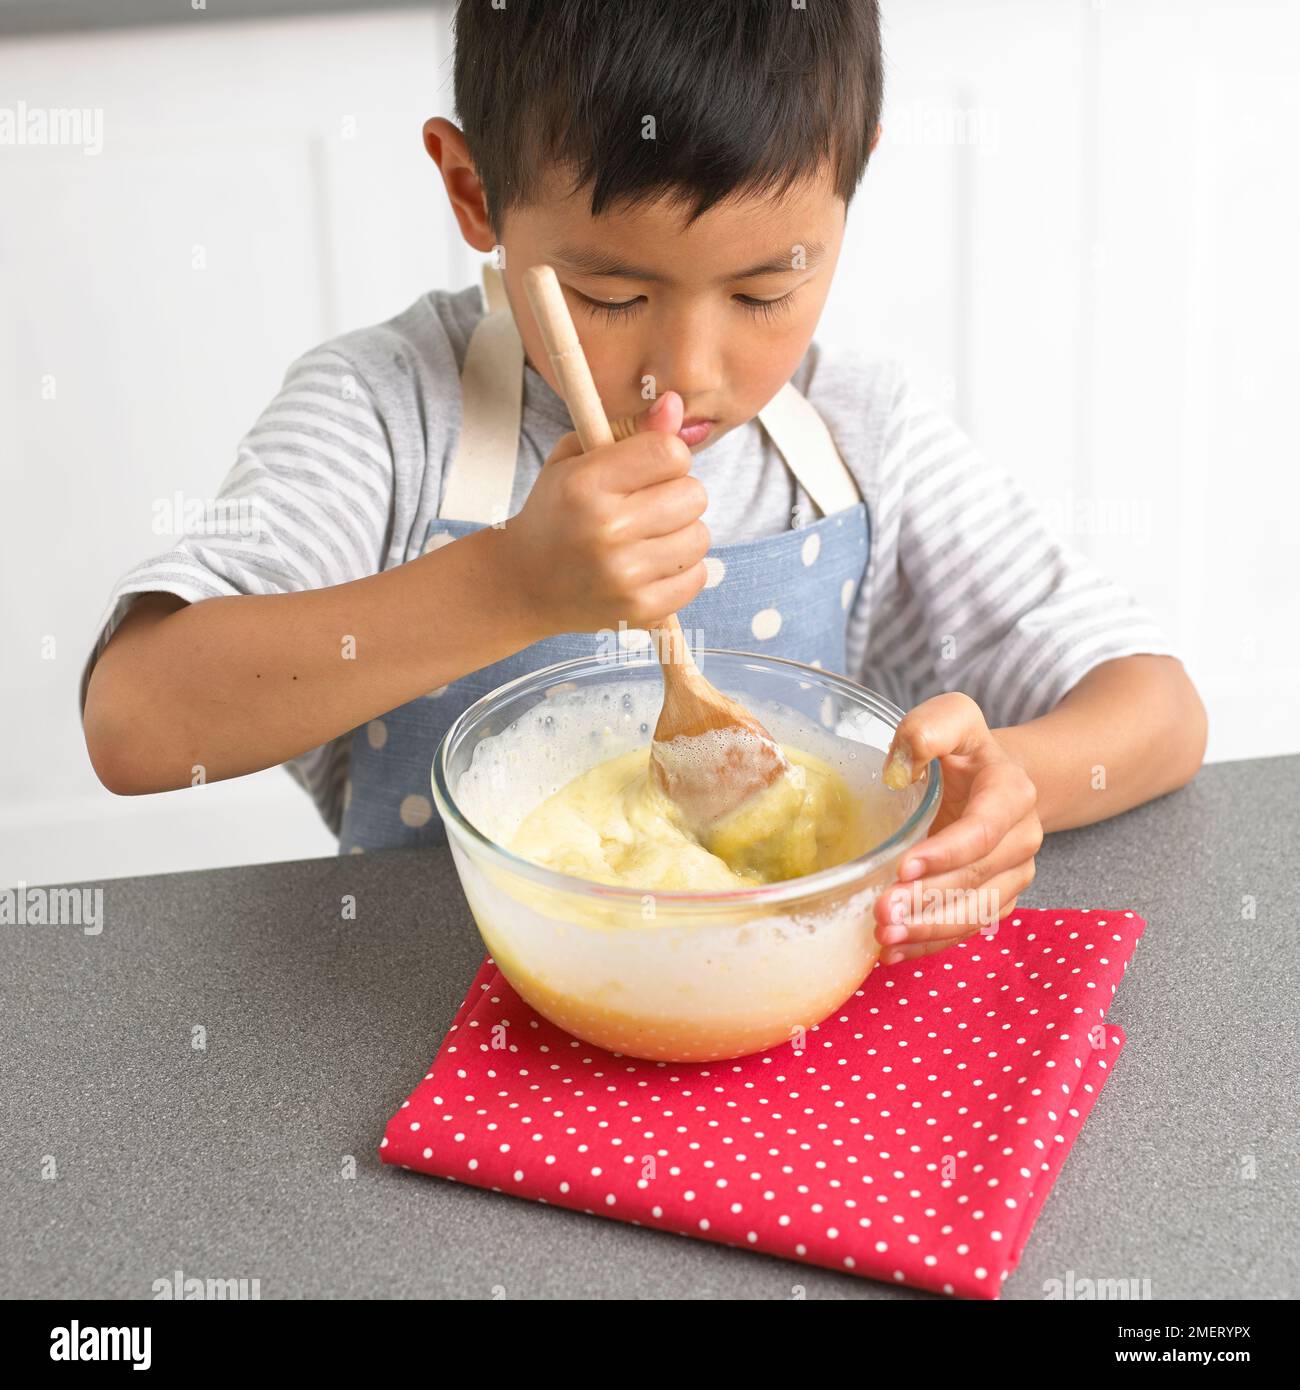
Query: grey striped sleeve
[[968, 588], [307, 504]]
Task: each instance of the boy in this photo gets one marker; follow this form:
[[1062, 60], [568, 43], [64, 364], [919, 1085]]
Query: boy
[[686, 169]]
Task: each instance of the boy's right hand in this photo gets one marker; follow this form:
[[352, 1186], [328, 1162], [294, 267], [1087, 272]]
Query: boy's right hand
[[613, 535]]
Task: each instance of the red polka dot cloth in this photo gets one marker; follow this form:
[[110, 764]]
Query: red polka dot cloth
[[912, 1138]]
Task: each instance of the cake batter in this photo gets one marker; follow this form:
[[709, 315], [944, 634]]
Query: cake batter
[[613, 824]]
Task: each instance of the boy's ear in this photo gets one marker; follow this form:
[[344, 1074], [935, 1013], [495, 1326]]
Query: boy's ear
[[875, 140], [447, 148]]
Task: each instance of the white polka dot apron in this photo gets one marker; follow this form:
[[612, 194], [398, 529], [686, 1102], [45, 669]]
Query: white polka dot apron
[[787, 595]]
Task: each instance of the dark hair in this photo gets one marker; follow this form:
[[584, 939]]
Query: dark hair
[[746, 95]]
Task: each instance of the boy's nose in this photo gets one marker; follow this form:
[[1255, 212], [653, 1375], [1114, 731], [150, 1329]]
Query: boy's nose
[[687, 358]]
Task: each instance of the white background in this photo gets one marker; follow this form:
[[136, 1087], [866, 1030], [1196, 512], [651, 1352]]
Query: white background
[[1079, 232]]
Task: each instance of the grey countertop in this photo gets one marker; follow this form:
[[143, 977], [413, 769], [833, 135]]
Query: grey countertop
[[231, 1161]]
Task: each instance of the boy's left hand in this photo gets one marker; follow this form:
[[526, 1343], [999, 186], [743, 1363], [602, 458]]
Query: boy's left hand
[[979, 854]]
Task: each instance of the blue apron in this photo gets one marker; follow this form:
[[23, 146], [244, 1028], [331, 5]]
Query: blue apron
[[787, 595]]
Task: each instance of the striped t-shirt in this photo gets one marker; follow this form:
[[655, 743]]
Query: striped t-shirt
[[966, 587]]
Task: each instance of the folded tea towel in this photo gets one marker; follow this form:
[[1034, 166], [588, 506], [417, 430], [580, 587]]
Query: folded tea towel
[[911, 1137]]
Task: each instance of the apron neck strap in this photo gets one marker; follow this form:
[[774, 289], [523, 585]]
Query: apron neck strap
[[494, 289], [480, 477], [799, 432]]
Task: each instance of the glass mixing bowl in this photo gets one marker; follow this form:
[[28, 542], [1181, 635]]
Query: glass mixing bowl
[[670, 976]]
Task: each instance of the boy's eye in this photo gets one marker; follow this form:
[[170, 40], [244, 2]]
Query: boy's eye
[[767, 308], [611, 311]]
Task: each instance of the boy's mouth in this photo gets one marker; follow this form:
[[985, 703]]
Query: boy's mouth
[[695, 430]]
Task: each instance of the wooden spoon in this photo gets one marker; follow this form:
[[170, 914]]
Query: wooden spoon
[[709, 754]]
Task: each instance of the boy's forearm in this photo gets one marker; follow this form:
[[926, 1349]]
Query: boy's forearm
[[234, 685], [1132, 729]]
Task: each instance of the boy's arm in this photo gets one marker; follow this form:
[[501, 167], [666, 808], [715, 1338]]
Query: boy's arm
[[1063, 700], [1132, 729], [233, 685]]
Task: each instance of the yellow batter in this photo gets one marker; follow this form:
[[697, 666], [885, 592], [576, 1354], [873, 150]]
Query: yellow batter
[[613, 824]]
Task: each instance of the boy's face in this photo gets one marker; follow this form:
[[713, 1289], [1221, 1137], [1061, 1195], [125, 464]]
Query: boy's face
[[720, 312]]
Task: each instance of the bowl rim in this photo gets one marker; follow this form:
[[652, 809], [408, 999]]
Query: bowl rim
[[764, 894]]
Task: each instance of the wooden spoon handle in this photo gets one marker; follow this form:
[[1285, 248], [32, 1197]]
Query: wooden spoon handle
[[567, 357], [589, 419]]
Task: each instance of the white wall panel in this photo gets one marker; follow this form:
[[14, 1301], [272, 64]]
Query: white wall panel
[[1078, 232]]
